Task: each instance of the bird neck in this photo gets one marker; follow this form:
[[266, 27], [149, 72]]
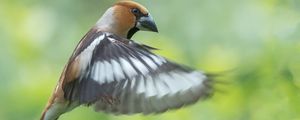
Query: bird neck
[[110, 22]]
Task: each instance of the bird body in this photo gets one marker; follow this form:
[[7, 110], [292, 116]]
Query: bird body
[[114, 74]]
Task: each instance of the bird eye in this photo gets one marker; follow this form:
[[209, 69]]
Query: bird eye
[[135, 11]]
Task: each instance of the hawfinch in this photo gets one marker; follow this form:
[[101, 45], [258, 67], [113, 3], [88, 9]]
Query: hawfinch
[[112, 73]]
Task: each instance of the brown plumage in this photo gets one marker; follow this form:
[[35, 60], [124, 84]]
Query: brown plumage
[[114, 74]]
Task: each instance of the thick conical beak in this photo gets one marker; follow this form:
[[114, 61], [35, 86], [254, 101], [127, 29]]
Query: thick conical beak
[[146, 23]]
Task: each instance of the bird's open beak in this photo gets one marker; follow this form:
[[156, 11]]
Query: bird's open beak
[[146, 23]]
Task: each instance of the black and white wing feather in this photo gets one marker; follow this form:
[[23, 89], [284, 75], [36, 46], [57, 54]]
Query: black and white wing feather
[[123, 77]]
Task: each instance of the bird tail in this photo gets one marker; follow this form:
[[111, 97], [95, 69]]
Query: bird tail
[[52, 108], [57, 106], [52, 112], [55, 110], [46, 113]]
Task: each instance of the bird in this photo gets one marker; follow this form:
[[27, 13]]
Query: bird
[[112, 73]]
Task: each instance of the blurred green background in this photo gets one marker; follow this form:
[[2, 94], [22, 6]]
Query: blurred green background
[[259, 40]]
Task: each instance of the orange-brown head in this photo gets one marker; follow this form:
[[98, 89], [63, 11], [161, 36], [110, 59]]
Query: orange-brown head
[[125, 18]]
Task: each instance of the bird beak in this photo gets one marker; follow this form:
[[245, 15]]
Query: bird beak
[[146, 23]]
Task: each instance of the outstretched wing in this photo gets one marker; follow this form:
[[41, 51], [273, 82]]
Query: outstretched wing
[[123, 77]]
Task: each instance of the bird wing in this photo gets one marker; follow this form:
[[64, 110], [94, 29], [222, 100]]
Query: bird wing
[[122, 77]]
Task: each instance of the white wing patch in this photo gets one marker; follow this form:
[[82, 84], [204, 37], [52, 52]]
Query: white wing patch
[[141, 88], [158, 60], [117, 69], [127, 68], [99, 72], [86, 55], [149, 62], [151, 94], [109, 72], [150, 87], [139, 65]]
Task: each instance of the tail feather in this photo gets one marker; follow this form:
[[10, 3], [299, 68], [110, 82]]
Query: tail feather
[[55, 110], [52, 112]]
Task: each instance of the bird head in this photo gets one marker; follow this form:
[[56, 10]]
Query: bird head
[[125, 18]]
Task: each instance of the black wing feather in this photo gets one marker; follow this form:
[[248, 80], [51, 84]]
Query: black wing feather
[[154, 84]]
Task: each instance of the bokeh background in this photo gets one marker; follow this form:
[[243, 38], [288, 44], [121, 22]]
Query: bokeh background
[[256, 43]]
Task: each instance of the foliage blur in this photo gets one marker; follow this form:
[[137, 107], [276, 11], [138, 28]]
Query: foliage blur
[[256, 43]]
